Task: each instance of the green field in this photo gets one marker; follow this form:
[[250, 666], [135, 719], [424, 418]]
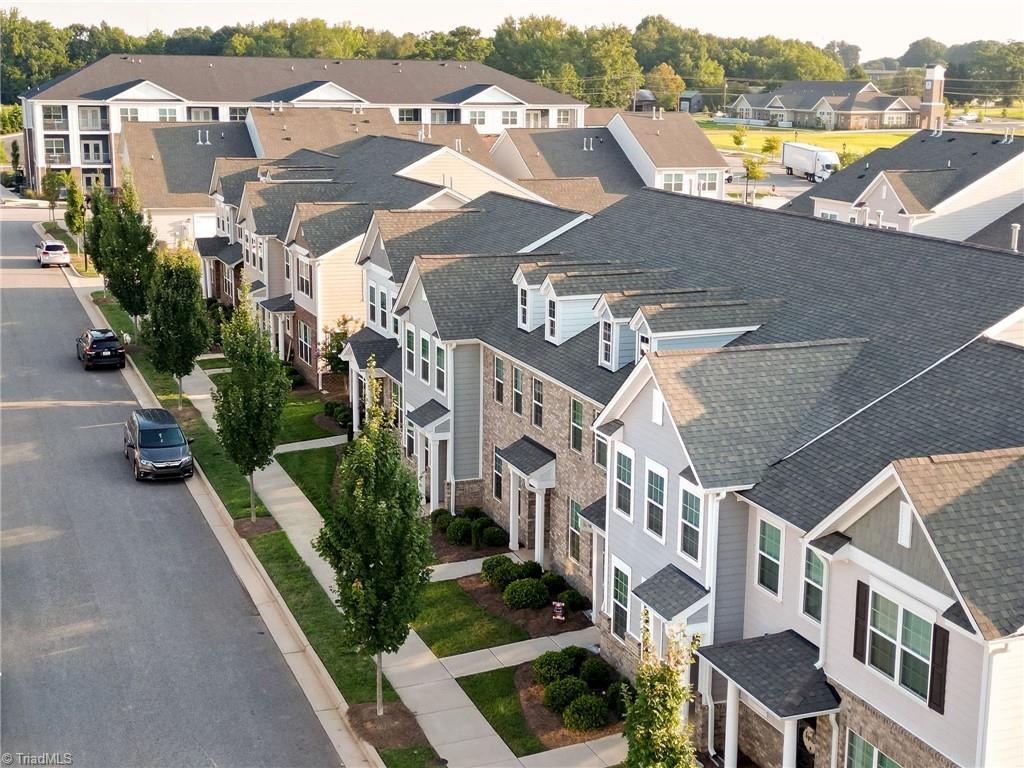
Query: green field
[[861, 143]]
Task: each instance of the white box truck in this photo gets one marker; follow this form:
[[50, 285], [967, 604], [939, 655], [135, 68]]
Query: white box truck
[[809, 161]]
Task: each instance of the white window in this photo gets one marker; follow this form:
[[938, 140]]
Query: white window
[[707, 181], [439, 367], [517, 390], [396, 395], [55, 151], [394, 316], [601, 450], [382, 302], [564, 118], [524, 308], [410, 438], [410, 115], [129, 114], [654, 515], [372, 304], [900, 642], [477, 117], [305, 277], [90, 119], [53, 117], [861, 754], [410, 349], [689, 524], [167, 114], [499, 467], [829, 215], [92, 152], [620, 599], [657, 406], [576, 425], [509, 117], [606, 342], [424, 357], [538, 403], [624, 483], [814, 584], [574, 530], [643, 345], [499, 380], [552, 308], [673, 182], [201, 114], [287, 265], [236, 114], [906, 525], [305, 344], [229, 282], [260, 245], [769, 557]]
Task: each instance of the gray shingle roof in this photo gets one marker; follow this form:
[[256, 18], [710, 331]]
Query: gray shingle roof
[[257, 285], [943, 166], [273, 203], [581, 193], [676, 141], [526, 455], [973, 508], [427, 413], [248, 78], [734, 407], [831, 543], [610, 427], [596, 512], [324, 226], [283, 303], [777, 670], [702, 315], [367, 343], [804, 94], [997, 234], [218, 248], [669, 592]]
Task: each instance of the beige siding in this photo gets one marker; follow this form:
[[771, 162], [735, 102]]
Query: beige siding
[[883, 199], [507, 160], [339, 288], [1004, 735], [978, 205], [466, 179]]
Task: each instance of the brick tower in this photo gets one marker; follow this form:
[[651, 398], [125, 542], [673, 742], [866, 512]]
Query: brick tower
[[932, 106]]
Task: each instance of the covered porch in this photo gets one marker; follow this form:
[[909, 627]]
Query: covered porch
[[221, 272], [531, 474], [428, 434], [278, 314]]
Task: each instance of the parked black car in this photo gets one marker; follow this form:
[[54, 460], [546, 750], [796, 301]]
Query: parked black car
[[99, 346], [156, 446]]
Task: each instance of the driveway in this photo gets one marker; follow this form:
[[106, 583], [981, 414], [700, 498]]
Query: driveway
[[127, 639]]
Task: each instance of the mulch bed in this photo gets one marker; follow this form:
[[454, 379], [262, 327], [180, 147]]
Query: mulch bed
[[545, 724], [452, 553], [247, 529], [536, 621], [324, 421], [397, 727]]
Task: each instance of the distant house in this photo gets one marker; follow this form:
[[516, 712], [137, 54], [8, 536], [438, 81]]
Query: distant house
[[644, 101], [691, 101]]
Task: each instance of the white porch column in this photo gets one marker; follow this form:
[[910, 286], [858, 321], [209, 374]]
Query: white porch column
[[594, 568], [732, 724], [538, 527], [433, 473], [280, 336], [418, 442], [513, 510], [789, 743], [353, 393]]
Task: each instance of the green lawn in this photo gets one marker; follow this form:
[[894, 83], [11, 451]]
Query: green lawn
[[297, 420], [211, 363], [313, 471], [408, 757], [451, 622], [862, 143], [217, 378], [53, 229], [354, 674], [494, 694]]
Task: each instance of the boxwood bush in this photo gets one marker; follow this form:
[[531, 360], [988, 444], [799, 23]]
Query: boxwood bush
[[586, 713], [495, 536], [573, 600], [473, 513], [530, 570], [525, 593], [618, 695], [577, 656], [551, 666], [598, 673], [437, 516], [478, 526], [499, 571], [555, 582], [561, 693], [459, 531]]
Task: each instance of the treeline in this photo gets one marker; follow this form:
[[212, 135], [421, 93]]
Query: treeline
[[602, 64]]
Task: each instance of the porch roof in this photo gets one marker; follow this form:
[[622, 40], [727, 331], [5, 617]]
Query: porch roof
[[526, 455], [282, 303], [427, 414], [218, 248], [669, 592], [595, 513], [366, 343], [778, 670]]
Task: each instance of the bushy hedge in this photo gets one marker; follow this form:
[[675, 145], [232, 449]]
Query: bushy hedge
[[473, 513], [587, 713], [478, 526], [577, 655], [495, 537], [573, 600], [499, 571], [561, 693], [524, 593], [598, 673], [459, 531], [530, 569], [555, 582], [551, 666], [618, 695]]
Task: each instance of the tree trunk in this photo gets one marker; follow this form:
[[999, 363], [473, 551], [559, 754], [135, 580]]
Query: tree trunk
[[380, 684], [252, 499], [179, 393]]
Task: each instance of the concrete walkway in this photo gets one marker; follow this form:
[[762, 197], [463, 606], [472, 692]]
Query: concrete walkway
[[307, 445]]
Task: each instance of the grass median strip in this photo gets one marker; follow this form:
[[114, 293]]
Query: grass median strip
[[212, 363], [353, 673], [494, 694], [297, 422], [408, 757], [53, 229], [313, 471], [451, 622]]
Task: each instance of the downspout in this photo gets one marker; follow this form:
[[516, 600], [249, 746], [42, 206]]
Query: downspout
[[827, 567], [714, 505], [834, 755]]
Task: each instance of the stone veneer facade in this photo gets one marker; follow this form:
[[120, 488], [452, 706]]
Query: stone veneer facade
[[577, 477]]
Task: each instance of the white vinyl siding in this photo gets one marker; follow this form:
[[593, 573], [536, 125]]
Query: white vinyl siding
[[899, 643]]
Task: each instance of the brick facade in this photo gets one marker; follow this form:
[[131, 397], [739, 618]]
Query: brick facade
[[307, 369], [576, 475]]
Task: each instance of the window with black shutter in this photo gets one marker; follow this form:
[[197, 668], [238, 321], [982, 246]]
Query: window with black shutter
[[860, 623], [937, 684]]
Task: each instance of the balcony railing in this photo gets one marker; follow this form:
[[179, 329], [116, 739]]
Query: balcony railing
[[91, 158], [58, 158], [55, 125], [94, 125]]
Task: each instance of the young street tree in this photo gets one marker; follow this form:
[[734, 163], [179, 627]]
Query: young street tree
[[126, 242], [53, 183], [771, 146], [657, 738], [100, 206], [250, 399], [375, 541], [739, 136], [755, 173], [74, 216], [177, 331]]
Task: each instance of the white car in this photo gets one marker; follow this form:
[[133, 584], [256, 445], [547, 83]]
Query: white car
[[52, 252]]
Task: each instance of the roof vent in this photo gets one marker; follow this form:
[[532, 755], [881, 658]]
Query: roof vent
[[199, 138], [1014, 236], [949, 163], [293, 67], [207, 138], [211, 65]]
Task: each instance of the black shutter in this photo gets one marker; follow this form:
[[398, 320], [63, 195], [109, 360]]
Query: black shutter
[[860, 623], [937, 685]]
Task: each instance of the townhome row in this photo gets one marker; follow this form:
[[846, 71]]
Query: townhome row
[[812, 460]]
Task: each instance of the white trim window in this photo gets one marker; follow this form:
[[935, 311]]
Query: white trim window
[[524, 308], [552, 313], [305, 343], [259, 252], [829, 216], [620, 599], [201, 114], [689, 524], [129, 114], [410, 115], [707, 181], [396, 395], [497, 475], [563, 118], [382, 305], [601, 450], [537, 411], [371, 304], [304, 277], [860, 753], [499, 380], [814, 585], [440, 368], [167, 115], [237, 114], [654, 511], [606, 343], [410, 348], [517, 390], [574, 530], [769, 557], [643, 345], [394, 315], [576, 425], [509, 117], [477, 117], [287, 265], [410, 439], [424, 357], [228, 282], [900, 640], [673, 182], [624, 482]]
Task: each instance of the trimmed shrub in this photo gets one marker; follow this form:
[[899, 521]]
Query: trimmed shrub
[[576, 656], [478, 526], [555, 582], [619, 693], [587, 713], [439, 519], [458, 531], [598, 673], [472, 513], [530, 570], [561, 693], [573, 600], [499, 571], [551, 666], [495, 536], [525, 593]]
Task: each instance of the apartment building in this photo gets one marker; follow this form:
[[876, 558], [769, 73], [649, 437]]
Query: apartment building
[[72, 122]]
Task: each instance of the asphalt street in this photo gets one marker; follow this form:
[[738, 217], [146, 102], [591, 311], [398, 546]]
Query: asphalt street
[[127, 639]]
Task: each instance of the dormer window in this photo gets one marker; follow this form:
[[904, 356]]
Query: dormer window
[[643, 345], [551, 319], [524, 308], [373, 303], [606, 342], [382, 302]]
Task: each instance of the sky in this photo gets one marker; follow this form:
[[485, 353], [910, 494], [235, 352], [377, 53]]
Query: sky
[[879, 27]]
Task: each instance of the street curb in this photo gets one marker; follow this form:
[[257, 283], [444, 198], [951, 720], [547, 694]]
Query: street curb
[[38, 229], [368, 751]]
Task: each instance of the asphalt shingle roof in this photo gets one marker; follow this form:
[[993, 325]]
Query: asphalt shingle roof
[[427, 413], [778, 670], [843, 95], [581, 193], [324, 226], [669, 592], [367, 343], [526, 455], [697, 315], [674, 141], [218, 248], [596, 512], [831, 543], [272, 203], [998, 233], [973, 508], [282, 303]]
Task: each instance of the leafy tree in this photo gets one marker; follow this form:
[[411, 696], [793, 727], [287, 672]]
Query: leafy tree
[[74, 215], [845, 53], [923, 51], [565, 80], [856, 72], [848, 157], [313, 38], [333, 344], [666, 85], [461, 44], [10, 118], [101, 208], [53, 183], [375, 541], [611, 66], [656, 736], [128, 256], [31, 52], [250, 399], [529, 46], [739, 136], [771, 146], [755, 172], [177, 331]]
